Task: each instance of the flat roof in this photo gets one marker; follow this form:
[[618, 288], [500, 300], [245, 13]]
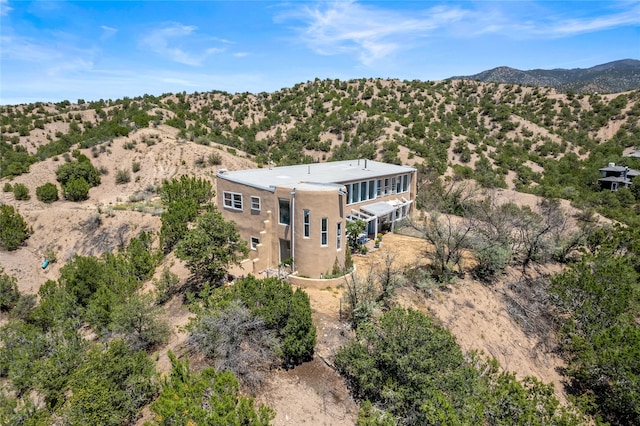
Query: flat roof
[[314, 173]]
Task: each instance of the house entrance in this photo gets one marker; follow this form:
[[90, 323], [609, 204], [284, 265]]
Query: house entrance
[[285, 250]]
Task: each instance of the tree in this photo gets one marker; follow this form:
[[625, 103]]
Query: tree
[[76, 189], [448, 237], [9, 293], [186, 188], [82, 168], [601, 299], [354, 229], [211, 247], [21, 192], [13, 228], [137, 319], [47, 193], [205, 398]]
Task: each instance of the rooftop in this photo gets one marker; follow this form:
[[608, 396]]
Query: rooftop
[[314, 174]]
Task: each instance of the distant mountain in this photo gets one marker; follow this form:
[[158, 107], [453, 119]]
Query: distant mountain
[[612, 77]]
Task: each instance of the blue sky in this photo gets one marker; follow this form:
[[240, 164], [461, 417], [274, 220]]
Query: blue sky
[[57, 50]]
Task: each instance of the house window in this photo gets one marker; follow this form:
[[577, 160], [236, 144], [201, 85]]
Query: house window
[[387, 188], [399, 184], [254, 243], [306, 220], [355, 193], [339, 235], [372, 189], [232, 200], [284, 211], [405, 183], [379, 188], [255, 203], [363, 191], [324, 231], [393, 185]]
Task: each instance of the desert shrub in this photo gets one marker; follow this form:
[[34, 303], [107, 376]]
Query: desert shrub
[[47, 193], [166, 286], [209, 397], [263, 306], [135, 167], [82, 168], [122, 176], [76, 190], [13, 228], [21, 192], [7, 187], [9, 294], [214, 159]]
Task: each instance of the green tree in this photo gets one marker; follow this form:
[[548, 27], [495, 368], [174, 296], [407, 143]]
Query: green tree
[[601, 338], [138, 320], [211, 247], [82, 168], [205, 398], [186, 188], [13, 228], [110, 387], [9, 293], [76, 189], [47, 193], [21, 192]]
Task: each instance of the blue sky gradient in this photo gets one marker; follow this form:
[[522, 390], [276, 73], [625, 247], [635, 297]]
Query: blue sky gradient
[[57, 50]]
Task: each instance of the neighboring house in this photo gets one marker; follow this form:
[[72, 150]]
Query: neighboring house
[[300, 212], [615, 177]]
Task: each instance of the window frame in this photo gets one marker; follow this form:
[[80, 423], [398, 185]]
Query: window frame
[[255, 200], [233, 198], [339, 236], [324, 232], [280, 211], [251, 242], [306, 223]]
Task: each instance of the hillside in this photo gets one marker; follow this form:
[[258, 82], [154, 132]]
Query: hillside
[[523, 143], [612, 77]]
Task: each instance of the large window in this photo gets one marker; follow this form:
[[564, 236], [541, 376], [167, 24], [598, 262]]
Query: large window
[[324, 231], [306, 220], [254, 243], [232, 200], [255, 203], [284, 211], [406, 179], [372, 189], [339, 235]]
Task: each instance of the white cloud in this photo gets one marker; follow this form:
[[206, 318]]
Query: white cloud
[[166, 41], [372, 33], [367, 31], [241, 54], [568, 27], [107, 32], [5, 8]]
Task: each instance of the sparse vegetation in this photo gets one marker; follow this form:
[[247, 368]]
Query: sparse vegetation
[[81, 347], [13, 228], [47, 193]]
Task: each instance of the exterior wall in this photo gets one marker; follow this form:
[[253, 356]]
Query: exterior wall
[[312, 258], [251, 223]]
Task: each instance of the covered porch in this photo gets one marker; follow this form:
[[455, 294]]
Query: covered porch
[[381, 215]]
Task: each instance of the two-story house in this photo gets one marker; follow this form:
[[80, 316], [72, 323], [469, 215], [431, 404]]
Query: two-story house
[[615, 177], [300, 212]]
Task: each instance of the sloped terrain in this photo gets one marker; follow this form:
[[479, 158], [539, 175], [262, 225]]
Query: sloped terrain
[[529, 139]]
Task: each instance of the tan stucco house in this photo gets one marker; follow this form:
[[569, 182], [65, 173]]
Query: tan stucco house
[[299, 213]]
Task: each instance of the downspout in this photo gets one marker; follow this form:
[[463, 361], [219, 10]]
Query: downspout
[[293, 234]]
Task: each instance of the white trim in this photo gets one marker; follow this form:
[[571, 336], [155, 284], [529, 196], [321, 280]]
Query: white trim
[[251, 242], [255, 200], [324, 232], [232, 200]]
